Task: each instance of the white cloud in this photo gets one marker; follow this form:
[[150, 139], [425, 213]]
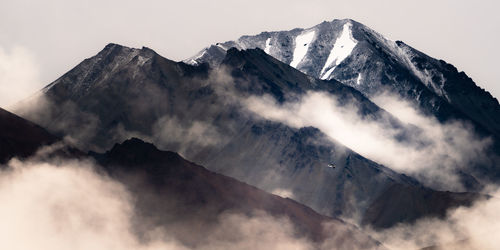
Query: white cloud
[[46, 206], [70, 204], [433, 154], [170, 130], [19, 75]]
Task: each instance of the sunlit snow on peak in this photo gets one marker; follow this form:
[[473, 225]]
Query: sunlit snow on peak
[[358, 80], [341, 49], [302, 43], [267, 49]]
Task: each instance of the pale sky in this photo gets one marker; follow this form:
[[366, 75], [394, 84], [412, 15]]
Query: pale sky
[[41, 40]]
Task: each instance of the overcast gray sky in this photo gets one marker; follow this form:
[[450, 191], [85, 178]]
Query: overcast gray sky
[[41, 40]]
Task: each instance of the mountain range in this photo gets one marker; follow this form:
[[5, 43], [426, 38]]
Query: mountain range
[[201, 108], [184, 199]]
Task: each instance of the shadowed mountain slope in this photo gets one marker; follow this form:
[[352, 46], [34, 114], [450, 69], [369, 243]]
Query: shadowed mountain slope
[[20, 138], [173, 191]]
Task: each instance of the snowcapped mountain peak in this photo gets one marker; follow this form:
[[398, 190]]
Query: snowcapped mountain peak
[[110, 60], [357, 56], [316, 51]]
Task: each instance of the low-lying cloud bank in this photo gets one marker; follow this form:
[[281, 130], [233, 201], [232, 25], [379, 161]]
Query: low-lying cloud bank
[[72, 204], [432, 152], [46, 206]]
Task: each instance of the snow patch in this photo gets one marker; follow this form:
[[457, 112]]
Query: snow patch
[[302, 43], [341, 49], [141, 60], [268, 46], [194, 60], [202, 54], [360, 77], [328, 73], [221, 46], [121, 59], [425, 76]]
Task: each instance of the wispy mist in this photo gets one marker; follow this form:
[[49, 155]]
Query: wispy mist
[[73, 204], [19, 75], [77, 128], [70, 206], [433, 153], [169, 130], [63, 207]]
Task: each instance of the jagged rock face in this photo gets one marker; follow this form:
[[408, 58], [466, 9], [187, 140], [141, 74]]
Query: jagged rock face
[[125, 92], [357, 56]]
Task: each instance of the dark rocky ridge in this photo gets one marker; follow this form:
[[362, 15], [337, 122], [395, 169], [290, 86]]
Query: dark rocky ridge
[[21, 138], [173, 191]]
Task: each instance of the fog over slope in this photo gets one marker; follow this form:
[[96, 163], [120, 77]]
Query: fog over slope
[[65, 203], [68, 203], [434, 158]]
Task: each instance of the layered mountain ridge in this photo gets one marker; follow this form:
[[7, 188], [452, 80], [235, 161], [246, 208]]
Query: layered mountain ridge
[[123, 92], [230, 132], [185, 200]]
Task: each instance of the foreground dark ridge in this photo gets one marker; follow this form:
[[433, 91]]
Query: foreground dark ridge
[[173, 191], [20, 138]]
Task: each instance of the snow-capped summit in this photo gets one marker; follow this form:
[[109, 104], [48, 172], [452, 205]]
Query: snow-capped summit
[[316, 51], [305, 49], [354, 54]]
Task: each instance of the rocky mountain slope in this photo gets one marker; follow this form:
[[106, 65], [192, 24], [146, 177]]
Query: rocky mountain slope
[[197, 111]]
